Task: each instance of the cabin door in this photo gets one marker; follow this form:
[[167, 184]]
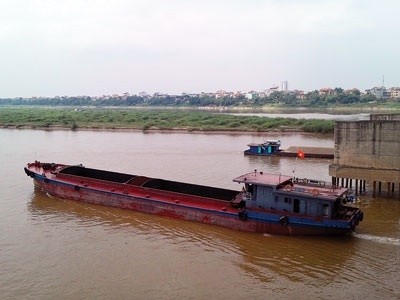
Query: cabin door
[[296, 205]]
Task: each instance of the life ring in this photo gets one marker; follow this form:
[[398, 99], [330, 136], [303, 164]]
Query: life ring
[[284, 220], [315, 192], [288, 188]]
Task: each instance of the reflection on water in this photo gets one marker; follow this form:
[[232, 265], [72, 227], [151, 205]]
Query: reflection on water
[[288, 257]]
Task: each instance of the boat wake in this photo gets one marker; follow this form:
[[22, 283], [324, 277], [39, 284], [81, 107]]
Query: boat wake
[[378, 239], [267, 234]]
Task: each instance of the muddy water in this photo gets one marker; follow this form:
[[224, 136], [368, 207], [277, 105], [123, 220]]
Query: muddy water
[[58, 249]]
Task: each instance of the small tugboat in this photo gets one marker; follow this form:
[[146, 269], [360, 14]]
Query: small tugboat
[[269, 147], [272, 148], [267, 203]]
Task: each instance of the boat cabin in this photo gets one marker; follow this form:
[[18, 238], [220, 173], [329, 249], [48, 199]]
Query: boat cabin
[[286, 194]]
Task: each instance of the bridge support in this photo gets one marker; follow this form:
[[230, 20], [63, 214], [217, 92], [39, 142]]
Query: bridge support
[[368, 151]]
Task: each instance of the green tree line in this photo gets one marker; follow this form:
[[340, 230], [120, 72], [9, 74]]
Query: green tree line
[[311, 99]]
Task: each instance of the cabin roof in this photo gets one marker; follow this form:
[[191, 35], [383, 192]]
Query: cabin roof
[[272, 142], [276, 143], [261, 178], [289, 185]]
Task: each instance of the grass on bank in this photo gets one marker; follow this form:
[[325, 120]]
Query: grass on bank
[[152, 119]]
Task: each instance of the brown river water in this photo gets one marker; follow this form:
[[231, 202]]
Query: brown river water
[[59, 249]]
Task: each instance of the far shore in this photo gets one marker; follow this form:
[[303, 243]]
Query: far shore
[[160, 130], [155, 120]]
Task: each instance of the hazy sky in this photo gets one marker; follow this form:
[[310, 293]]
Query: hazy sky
[[96, 47]]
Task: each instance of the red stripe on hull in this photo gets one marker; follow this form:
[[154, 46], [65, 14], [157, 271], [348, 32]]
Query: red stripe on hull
[[222, 218]]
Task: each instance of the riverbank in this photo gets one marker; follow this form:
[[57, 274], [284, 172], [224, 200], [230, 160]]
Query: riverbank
[[150, 120], [282, 131]]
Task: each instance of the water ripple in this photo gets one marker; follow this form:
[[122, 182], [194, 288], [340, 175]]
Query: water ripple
[[378, 239]]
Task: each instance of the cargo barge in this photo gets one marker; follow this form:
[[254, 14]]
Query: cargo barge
[[266, 203]]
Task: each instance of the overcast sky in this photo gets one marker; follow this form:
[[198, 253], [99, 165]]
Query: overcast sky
[[96, 47]]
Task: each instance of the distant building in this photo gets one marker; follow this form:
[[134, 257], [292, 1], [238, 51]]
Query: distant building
[[250, 95], [395, 92], [191, 95], [160, 95], [125, 96], [237, 94], [284, 86], [379, 92], [353, 91], [299, 94], [220, 94], [326, 91], [272, 89]]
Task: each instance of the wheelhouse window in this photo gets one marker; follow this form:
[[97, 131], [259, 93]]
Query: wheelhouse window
[[325, 210]]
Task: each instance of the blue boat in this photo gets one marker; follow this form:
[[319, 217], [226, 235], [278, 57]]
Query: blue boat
[[269, 147]]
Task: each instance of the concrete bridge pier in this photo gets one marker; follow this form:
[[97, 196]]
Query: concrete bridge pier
[[390, 187], [368, 151], [360, 185]]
